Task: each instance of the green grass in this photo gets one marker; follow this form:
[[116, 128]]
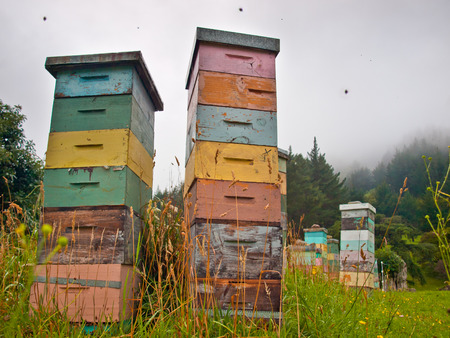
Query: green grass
[[312, 305]]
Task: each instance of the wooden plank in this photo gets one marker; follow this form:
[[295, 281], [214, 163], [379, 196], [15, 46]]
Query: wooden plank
[[93, 148], [224, 246], [358, 245], [222, 201], [229, 161], [90, 293], [92, 186], [236, 91], [104, 112], [97, 235], [356, 279], [264, 295], [284, 221], [221, 124]]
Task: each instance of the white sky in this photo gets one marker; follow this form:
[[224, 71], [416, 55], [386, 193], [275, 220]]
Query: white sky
[[393, 57]]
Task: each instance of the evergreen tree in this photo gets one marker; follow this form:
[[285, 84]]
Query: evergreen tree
[[314, 190]]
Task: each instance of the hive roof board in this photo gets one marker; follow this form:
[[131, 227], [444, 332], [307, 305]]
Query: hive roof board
[[230, 38]]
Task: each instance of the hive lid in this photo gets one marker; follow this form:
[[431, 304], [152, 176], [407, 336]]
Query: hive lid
[[54, 64], [357, 206], [233, 39]]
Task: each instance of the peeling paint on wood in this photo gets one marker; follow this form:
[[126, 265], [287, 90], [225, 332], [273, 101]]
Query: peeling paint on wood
[[94, 148], [249, 252], [91, 186], [235, 91], [82, 301], [230, 161], [224, 201], [262, 295], [97, 235], [104, 112]]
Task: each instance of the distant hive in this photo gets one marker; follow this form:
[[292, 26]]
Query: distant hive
[[234, 203], [97, 181], [357, 256]]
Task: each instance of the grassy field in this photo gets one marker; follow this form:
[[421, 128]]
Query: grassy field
[[313, 306]]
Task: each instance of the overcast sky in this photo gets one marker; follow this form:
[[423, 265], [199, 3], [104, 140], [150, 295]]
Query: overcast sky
[[392, 56]]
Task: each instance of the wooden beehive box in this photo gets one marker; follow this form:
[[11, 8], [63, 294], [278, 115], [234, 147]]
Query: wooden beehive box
[[95, 148], [231, 251], [354, 261], [224, 202], [96, 235], [357, 216], [91, 186], [104, 112], [245, 295], [230, 161], [357, 279], [357, 240], [89, 293]]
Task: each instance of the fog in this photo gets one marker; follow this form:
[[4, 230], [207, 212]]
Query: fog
[[364, 77]]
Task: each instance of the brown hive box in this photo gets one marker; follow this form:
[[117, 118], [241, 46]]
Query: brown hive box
[[226, 251], [96, 235]]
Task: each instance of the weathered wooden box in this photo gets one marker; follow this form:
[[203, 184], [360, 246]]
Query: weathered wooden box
[[357, 216], [357, 279], [96, 235], [245, 295], [94, 148], [224, 202], [221, 124], [90, 293], [353, 260], [230, 161], [90, 186], [236, 91], [231, 251], [105, 74], [104, 112]]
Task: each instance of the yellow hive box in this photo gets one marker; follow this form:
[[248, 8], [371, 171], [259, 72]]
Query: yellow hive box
[[96, 148], [231, 161]]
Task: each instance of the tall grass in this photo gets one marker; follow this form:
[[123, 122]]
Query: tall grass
[[313, 305]]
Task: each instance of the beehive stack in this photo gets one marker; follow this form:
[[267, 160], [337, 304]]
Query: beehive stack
[[333, 258], [357, 256], [232, 187], [97, 181], [317, 235]]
